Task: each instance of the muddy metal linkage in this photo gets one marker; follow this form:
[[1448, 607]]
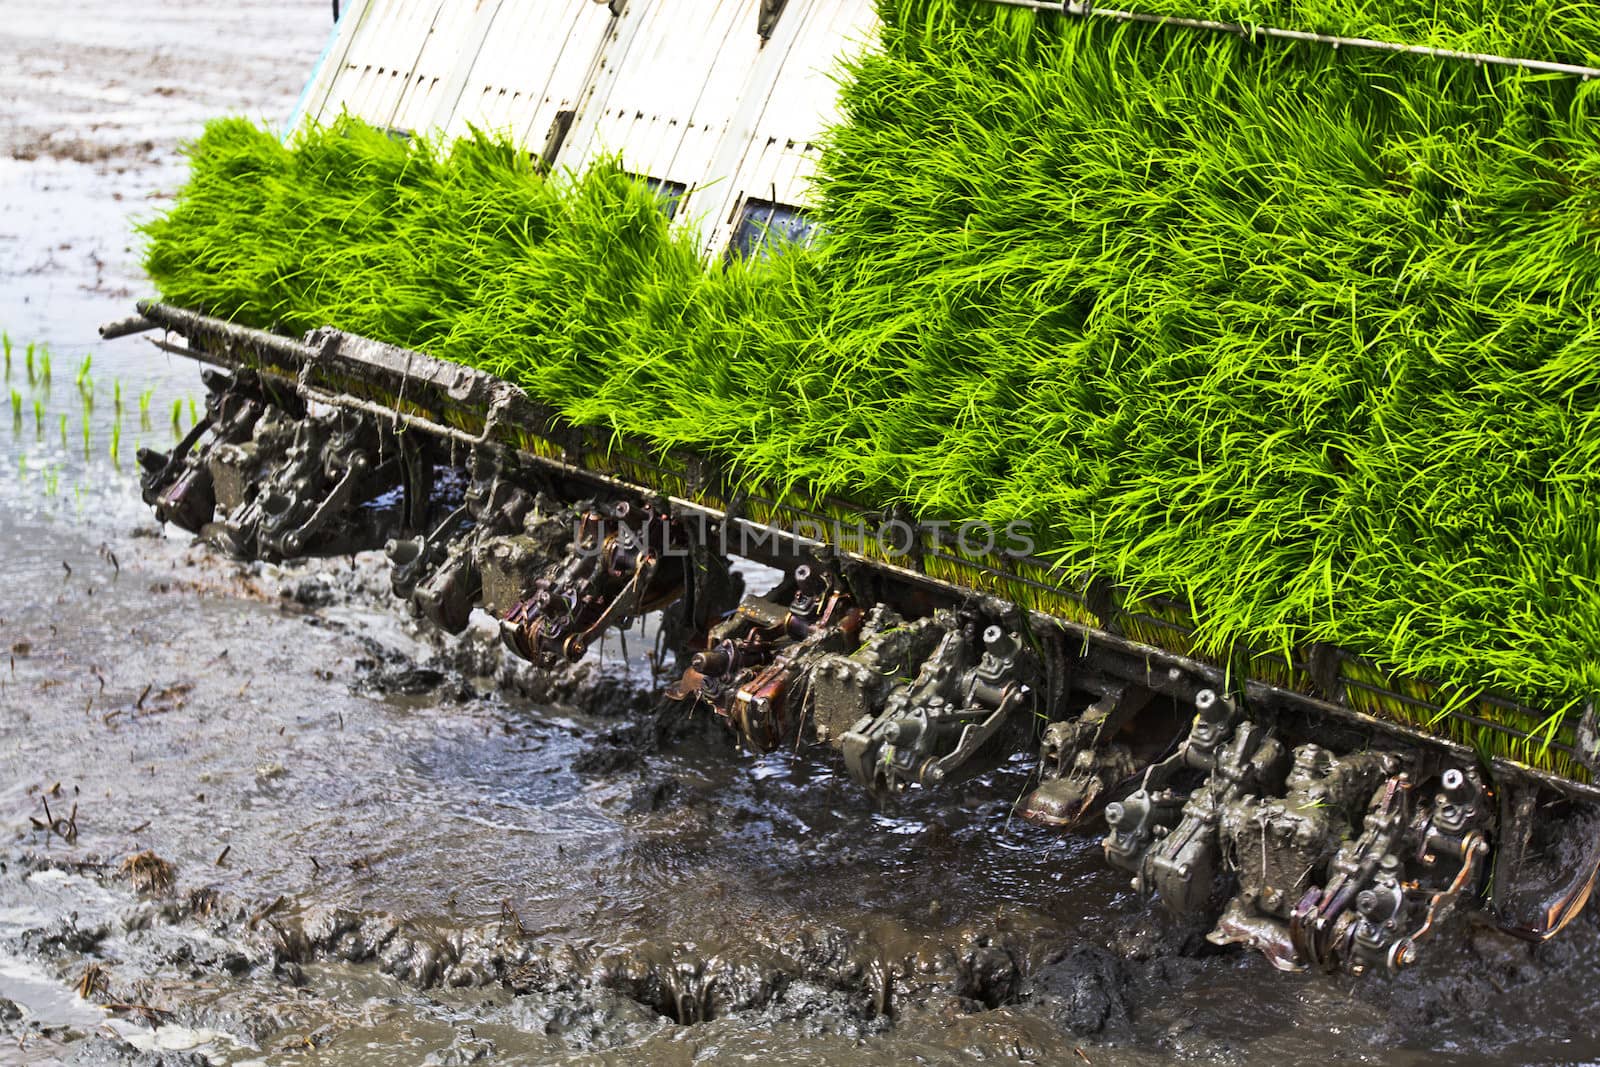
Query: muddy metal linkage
[[1316, 839], [486, 550], [960, 697], [265, 478], [753, 671], [625, 562], [1334, 860]]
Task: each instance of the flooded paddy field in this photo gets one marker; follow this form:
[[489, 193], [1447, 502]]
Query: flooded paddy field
[[251, 814]]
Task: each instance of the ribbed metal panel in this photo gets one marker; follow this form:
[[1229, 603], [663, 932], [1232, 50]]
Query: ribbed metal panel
[[770, 151], [533, 62], [672, 78], [380, 64]]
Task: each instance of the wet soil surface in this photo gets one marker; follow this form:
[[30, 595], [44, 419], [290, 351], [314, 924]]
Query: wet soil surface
[[249, 814]]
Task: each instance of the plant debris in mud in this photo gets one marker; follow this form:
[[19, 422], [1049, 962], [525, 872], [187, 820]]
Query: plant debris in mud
[[1300, 337], [54, 824], [148, 872]]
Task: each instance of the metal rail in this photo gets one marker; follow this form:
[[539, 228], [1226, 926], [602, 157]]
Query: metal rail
[[1081, 9]]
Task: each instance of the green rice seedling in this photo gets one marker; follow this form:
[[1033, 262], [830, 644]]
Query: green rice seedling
[[28, 360], [144, 408], [1294, 344], [38, 417], [63, 430], [16, 408], [5, 343], [194, 412], [116, 395], [116, 443], [44, 366], [177, 415], [52, 480], [85, 382]]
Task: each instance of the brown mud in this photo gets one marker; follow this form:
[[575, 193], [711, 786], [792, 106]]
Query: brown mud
[[248, 814]]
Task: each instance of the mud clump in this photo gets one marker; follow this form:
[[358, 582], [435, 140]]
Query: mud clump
[[587, 1019], [313, 593], [612, 754], [624, 747], [406, 680], [654, 795], [474, 664], [821, 1008], [64, 936], [465, 1047], [987, 973], [1085, 991]]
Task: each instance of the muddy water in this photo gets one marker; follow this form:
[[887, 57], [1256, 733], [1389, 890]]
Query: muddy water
[[387, 849]]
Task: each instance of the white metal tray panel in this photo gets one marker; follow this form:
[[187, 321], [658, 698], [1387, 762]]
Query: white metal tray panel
[[770, 152], [454, 37], [380, 61], [672, 79], [533, 61]]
